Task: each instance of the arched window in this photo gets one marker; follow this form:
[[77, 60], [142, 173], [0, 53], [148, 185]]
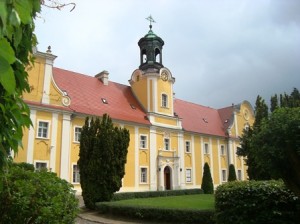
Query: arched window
[[164, 100], [157, 55], [143, 56]]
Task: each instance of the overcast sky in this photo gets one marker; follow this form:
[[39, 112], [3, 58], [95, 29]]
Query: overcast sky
[[220, 52]]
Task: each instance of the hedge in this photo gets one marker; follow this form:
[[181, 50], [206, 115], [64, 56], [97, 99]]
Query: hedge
[[151, 194], [158, 214], [247, 202]]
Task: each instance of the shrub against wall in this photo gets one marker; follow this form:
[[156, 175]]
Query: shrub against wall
[[102, 159], [247, 202], [36, 197]]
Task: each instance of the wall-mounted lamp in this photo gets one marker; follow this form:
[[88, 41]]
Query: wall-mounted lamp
[[159, 169], [180, 169]]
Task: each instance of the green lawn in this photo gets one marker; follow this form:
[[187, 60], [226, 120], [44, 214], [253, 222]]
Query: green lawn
[[196, 201]]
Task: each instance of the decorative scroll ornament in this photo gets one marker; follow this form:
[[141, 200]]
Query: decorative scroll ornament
[[66, 101]]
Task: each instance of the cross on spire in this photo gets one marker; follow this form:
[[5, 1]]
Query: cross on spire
[[151, 20]]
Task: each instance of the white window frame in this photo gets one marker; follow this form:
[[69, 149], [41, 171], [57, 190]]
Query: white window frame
[[76, 140], [164, 100], [206, 150], [222, 152], [188, 146], [224, 175], [168, 144], [41, 161], [75, 174], [239, 175], [38, 127], [188, 175], [144, 142], [143, 175]]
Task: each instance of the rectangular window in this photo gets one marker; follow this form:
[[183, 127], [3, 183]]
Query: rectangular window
[[43, 127], [164, 100], [187, 146], [143, 175], [143, 141], [77, 132], [222, 150], [40, 166], [76, 174], [188, 175], [167, 143], [239, 172], [206, 148], [224, 176]]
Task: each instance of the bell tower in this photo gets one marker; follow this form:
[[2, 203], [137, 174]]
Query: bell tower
[[152, 83], [151, 49]]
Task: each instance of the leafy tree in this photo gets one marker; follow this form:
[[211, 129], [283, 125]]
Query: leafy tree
[[36, 197], [279, 146], [207, 182], [102, 158], [16, 42], [232, 174], [272, 144]]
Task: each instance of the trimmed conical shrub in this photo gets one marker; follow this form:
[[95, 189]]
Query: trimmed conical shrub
[[207, 182], [232, 174]]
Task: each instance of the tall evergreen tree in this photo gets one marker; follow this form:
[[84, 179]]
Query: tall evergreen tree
[[274, 103], [261, 111], [102, 158], [207, 182], [247, 149], [295, 98], [231, 174]]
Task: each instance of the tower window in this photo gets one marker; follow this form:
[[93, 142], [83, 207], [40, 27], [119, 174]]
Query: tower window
[[164, 100], [167, 144], [222, 150], [206, 148], [187, 146]]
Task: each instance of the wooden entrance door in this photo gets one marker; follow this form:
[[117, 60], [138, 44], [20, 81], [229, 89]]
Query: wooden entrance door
[[167, 177]]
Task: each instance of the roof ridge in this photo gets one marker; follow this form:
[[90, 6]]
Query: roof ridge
[[89, 76], [196, 104]]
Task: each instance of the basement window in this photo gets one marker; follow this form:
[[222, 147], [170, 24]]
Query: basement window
[[104, 101]]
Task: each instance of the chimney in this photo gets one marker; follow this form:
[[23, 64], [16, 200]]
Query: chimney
[[103, 77]]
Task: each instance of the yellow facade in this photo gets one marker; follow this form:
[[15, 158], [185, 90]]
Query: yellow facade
[[161, 156]]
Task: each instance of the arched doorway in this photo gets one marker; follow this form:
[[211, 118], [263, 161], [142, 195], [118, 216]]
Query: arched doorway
[[167, 178]]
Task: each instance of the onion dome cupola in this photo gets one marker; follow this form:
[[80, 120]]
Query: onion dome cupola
[[150, 50]]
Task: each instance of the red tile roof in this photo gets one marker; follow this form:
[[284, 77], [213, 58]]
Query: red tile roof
[[200, 119], [86, 93], [226, 115]]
